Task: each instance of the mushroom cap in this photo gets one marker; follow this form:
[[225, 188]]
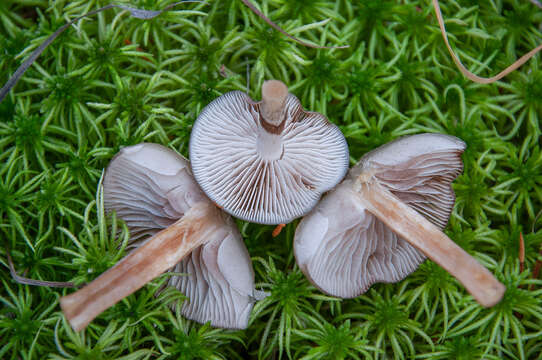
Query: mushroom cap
[[150, 187], [419, 170], [343, 249], [263, 173]]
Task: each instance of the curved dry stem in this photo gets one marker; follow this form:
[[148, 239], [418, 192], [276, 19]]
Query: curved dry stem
[[251, 6], [136, 13], [26, 281], [481, 80]]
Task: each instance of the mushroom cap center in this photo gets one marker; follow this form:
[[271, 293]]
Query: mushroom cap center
[[270, 147]]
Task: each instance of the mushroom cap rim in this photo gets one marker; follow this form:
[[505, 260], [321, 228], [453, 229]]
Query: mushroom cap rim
[[235, 213]]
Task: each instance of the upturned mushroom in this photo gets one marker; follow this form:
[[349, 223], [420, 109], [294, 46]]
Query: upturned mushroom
[[266, 162], [383, 220], [152, 189]]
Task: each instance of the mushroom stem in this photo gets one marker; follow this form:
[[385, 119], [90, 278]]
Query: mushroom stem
[[427, 238], [156, 256], [274, 94]]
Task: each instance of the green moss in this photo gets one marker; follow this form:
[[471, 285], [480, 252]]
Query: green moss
[[114, 81]]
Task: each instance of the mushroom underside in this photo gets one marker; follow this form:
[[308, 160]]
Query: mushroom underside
[[219, 280], [260, 173], [343, 249]]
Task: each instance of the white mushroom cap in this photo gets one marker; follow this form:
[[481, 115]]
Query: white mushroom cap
[[343, 249], [150, 187], [265, 170]]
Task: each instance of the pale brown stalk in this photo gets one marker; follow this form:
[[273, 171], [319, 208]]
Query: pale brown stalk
[[427, 238], [274, 94], [156, 256]]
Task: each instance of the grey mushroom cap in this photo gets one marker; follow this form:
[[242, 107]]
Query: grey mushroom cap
[[260, 171], [419, 170], [150, 187], [343, 249]]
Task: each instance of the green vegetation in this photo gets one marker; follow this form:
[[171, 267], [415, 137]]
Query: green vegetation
[[112, 80]]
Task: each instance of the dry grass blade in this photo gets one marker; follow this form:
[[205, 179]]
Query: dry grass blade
[[26, 281], [137, 13], [481, 80], [251, 6]]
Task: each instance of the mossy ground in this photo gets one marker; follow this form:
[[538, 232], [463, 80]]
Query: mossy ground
[[112, 81]]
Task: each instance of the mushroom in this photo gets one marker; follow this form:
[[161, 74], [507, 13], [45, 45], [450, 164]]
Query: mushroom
[[152, 189], [382, 221], [266, 162]]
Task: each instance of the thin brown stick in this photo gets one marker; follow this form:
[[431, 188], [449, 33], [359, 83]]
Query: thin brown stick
[[255, 10], [481, 80], [427, 238], [26, 281], [137, 13], [156, 256]]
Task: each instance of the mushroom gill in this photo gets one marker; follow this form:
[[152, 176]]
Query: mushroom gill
[[343, 248], [151, 188], [266, 169]]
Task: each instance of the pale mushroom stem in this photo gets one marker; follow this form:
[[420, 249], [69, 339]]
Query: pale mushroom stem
[[427, 238], [274, 94], [156, 256]]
